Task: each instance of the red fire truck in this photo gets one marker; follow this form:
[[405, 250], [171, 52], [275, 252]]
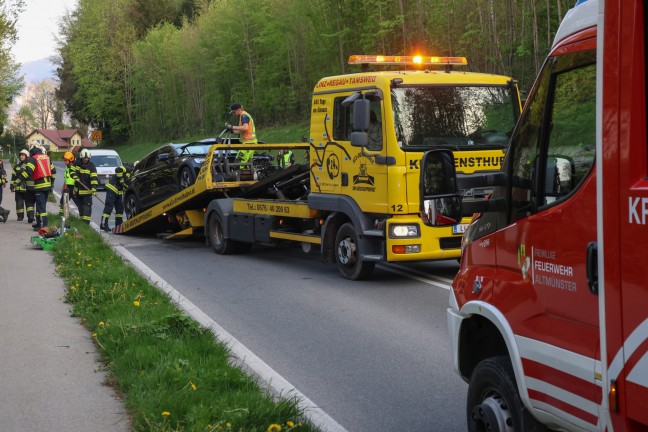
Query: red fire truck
[[548, 315]]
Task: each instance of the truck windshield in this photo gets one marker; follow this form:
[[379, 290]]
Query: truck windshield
[[458, 118]]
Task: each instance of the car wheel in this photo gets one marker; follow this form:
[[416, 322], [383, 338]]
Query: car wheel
[[131, 206], [347, 254], [186, 178], [494, 403]]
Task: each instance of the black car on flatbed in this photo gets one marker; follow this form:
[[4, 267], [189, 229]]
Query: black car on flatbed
[[172, 168]]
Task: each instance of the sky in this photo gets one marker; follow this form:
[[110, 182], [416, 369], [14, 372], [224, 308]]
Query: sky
[[38, 27]]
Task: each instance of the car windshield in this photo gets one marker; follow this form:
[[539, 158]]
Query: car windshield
[[429, 117], [106, 161], [195, 149]]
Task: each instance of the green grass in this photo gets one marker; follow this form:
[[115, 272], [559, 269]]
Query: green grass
[[173, 374], [292, 133]]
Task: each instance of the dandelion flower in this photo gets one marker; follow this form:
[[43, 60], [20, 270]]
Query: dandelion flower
[[89, 264], [193, 386], [94, 334], [136, 303], [290, 423], [101, 324], [274, 428], [166, 413]]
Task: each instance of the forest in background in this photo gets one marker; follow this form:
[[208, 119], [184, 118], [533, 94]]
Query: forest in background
[[155, 70]]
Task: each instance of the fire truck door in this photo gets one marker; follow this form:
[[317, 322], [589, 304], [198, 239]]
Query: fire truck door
[[542, 284]]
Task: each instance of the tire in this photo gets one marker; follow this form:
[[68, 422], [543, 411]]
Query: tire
[[494, 403], [131, 206], [216, 234], [347, 255], [186, 178]]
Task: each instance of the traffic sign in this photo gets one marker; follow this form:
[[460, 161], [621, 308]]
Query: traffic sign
[[95, 135]]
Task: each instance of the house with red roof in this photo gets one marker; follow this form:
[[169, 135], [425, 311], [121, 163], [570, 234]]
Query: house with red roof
[[60, 140]]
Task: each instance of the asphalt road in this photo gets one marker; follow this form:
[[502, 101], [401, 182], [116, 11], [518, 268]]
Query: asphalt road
[[373, 354]]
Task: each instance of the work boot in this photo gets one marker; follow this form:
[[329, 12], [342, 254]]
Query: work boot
[[20, 218], [118, 221], [45, 221], [104, 224], [5, 215]]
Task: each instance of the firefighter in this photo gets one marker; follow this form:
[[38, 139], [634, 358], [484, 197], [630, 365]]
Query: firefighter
[[114, 192], [85, 182], [4, 214], [38, 169], [19, 188], [68, 180], [246, 130], [287, 158]]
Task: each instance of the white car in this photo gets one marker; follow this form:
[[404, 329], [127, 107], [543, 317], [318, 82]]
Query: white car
[[106, 161]]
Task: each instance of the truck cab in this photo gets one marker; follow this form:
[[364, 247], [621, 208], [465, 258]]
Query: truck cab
[[548, 319], [369, 131]]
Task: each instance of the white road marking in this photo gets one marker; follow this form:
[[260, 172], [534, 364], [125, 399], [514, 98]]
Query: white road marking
[[414, 274]]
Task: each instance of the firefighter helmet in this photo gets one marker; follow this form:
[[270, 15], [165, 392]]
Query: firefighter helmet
[[85, 153], [24, 152], [68, 156]]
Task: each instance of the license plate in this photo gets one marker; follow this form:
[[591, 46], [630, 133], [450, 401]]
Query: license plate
[[459, 229]]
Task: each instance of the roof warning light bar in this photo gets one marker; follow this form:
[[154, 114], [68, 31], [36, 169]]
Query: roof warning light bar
[[408, 60]]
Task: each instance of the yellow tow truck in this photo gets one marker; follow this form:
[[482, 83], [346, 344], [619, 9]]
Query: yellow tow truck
[[358, 195]]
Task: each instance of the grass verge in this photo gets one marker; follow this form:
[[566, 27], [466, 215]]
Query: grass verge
[[173, 374]]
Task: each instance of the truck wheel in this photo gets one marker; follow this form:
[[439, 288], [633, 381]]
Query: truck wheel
[[347, 254], [219, 243], [186, 178], [494, 403]]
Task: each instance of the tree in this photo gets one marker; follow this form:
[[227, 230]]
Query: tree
[[10, 82], [43, 103], [23, 122]]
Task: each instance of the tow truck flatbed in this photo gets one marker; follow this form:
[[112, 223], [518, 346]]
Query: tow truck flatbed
[[182, 214]]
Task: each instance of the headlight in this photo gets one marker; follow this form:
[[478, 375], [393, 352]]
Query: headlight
[[404, 231]]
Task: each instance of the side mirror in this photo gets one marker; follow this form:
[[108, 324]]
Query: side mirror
[[163, 157], [361, 109], [439, 212], [440, 201], [559, 177], [359, 139]]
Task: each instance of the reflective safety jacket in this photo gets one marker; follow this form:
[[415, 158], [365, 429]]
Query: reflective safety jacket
[[17, 180], [38, 172], [288, 158], [249, 136], [3, 174], [67, 176], [85, 178], [119, 181]]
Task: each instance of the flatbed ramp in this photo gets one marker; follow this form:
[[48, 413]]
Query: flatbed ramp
[[183, 213]]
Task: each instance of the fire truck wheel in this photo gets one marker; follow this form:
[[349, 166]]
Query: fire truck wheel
[[347, 254], [493, 400], [186, 178], [219, 243]]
